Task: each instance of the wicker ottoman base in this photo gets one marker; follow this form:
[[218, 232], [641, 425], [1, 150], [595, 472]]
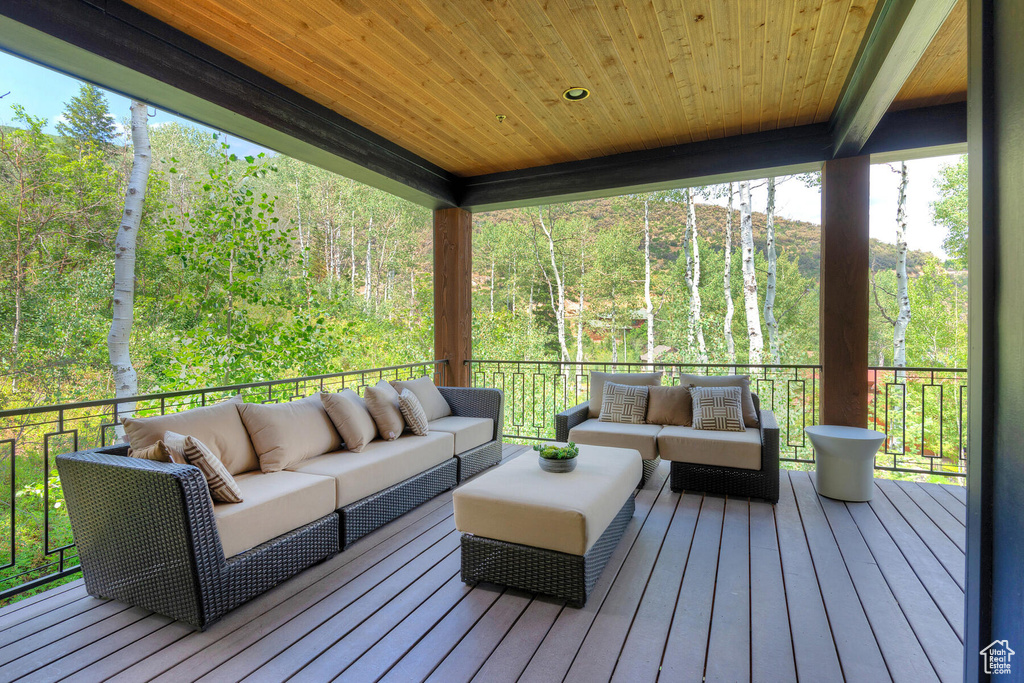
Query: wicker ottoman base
[[537, 570]]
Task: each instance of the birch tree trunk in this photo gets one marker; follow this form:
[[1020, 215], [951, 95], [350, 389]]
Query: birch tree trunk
[[579, 315], [368, 279], [695, 303], [902, 296], [750, 277], [492, 285], [769, 291], [352, 250], [647, 280], [557, 306], [126, 381], [730, 345]]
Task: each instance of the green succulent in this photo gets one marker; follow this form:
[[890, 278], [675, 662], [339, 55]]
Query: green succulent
[[549, 452]]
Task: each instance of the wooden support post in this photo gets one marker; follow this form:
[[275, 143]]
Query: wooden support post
[[453, 302], [843, 331]]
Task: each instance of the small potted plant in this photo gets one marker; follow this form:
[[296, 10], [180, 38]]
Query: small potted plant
[[557, 459]]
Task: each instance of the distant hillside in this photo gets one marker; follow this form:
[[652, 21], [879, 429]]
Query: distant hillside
[[668, 221]]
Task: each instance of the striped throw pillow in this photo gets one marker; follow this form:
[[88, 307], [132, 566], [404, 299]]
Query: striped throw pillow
[[223, 488], [624, 403], [718, 408], [413, 412]]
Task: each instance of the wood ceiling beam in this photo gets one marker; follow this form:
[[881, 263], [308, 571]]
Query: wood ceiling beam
[[755, 155], [899, 35], [111, 44]]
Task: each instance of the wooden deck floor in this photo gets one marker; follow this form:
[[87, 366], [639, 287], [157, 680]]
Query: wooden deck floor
[[699, 586]]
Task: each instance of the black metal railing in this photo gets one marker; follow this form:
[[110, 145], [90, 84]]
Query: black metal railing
[[922, 411], [536, 390], [37, 546], [923, 414]]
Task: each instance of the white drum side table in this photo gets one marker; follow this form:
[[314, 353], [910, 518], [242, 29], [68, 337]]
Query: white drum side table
[[845, 459]]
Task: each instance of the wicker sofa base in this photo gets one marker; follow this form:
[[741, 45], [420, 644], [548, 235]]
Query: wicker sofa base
[[537, 570], [725, 480], [476, 460], [650, 467], [363, 516]]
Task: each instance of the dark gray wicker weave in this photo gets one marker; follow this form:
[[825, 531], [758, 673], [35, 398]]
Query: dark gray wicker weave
[[763, 483], [568, 419], [478, 403], [146, 535], [363, 516], [537, 570]]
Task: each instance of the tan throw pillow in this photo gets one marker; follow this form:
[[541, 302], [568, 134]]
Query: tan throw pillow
[[429, 397], [223, 488], [597, 380], [741, 381], [218, 426], [157, 452], [348, 413], [413, 413], [382, 402], [284, 434], [717, 408], [669, 406], [624, 403]]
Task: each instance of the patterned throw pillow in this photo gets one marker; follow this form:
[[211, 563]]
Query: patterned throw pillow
[[718, 408], [413, 412], [223, 488], [624, 403]]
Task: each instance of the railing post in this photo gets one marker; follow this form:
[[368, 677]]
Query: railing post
[[843, 330], [453, 280]]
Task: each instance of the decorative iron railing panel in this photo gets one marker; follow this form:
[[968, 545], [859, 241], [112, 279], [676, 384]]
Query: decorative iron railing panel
[[923, 414], [36, 546]]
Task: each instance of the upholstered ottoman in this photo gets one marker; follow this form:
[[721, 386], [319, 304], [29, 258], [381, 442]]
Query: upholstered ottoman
[[544, 532]]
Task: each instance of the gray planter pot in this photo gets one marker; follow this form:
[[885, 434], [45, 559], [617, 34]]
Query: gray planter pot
[[557, 465]]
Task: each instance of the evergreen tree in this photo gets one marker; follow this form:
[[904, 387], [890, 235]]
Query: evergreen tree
[[87, 118]]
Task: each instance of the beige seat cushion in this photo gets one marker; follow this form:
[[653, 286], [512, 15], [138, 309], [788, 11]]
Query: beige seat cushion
[[726, 449], [350, 416], [643, 438], [741, 381], [380, 465], [597, 380], [469, 432], [274, 504], [429, 397], [218, 426], [518, 502], [287, 433]]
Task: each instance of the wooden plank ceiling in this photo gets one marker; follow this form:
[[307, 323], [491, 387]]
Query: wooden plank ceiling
[[434, 75], [941, 75]]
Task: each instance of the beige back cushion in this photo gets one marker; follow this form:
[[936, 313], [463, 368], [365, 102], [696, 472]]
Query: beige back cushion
[[669, 406], [349, 414], [427, 394], [597, 380], [286, 433], [741, 381], [218, 426], [382, 402]]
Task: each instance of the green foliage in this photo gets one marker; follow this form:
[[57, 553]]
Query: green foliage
[[87, 120], [950, 210], [549, 452]]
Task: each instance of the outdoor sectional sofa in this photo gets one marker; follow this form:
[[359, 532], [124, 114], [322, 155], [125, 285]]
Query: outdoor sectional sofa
[[149, 534], [734, 463]]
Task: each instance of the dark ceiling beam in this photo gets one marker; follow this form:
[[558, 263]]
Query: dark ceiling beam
[[741, 157], [900, 32], [115, 46]]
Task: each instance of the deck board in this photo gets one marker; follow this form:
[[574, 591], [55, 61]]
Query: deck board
[[700, 585]]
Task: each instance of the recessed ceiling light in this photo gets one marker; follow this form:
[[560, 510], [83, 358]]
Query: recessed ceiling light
[[576, 94]]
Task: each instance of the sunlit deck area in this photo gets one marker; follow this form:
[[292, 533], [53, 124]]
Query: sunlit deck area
[[729, 589]]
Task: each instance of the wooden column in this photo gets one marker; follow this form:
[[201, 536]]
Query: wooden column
[[843, 341], [453, 280]]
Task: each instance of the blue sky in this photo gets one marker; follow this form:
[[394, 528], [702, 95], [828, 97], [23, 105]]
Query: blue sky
[[43, 93]]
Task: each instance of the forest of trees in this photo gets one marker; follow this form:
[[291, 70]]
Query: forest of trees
[[265, 267]]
